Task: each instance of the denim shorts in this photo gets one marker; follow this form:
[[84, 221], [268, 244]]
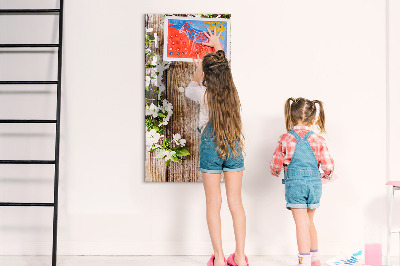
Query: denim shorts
[[303, 193], [210, 160]]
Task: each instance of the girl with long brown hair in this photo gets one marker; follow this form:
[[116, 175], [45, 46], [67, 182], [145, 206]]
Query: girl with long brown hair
[[221, 147], [302, 153]]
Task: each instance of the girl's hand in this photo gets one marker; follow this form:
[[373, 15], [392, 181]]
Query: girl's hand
[[199, 70], [213, 39], [199, 64]]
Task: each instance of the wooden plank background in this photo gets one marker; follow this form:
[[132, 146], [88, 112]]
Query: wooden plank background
[[183, 121]]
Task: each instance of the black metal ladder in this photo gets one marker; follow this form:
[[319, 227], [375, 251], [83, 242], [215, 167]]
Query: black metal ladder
[[57, 82]]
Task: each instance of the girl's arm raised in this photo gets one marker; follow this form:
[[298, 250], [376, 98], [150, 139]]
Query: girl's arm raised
[[194, 90], [199, 70], [213, 39]]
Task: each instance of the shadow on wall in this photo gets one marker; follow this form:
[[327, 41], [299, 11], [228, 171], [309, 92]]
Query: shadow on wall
[[263, 193], [375, 213], [376, 221]]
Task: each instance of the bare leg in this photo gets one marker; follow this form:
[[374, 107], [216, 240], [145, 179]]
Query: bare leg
[[212, 188], [233, 184], [313, 230], [302, 221]]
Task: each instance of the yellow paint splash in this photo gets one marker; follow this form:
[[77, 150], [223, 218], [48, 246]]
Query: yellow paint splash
[[218, 25]]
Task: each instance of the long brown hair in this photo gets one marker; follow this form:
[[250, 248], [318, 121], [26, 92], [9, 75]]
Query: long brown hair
[[303, 110], [223, 104]]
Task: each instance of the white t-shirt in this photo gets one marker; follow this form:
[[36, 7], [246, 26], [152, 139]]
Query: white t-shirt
[[196, 92]]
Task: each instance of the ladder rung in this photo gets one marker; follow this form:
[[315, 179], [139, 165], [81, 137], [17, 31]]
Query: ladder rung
[[30, 82], [38, 204], [33, 45], [27, 161], [7, 11], [395, 231], [27, 121]]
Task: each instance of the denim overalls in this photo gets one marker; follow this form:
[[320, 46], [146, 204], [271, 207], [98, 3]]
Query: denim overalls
[[302, 181]]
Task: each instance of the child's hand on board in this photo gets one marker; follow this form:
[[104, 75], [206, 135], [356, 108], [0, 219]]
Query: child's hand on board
[[213, 39]]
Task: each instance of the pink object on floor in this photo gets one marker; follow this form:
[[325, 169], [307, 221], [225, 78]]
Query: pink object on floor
[[211, 261], [231, 260], [333, 178], [316, 263], [393, 183], [373, 254]]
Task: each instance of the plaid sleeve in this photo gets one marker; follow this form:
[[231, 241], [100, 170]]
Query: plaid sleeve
[[278, 157], [326, 162]]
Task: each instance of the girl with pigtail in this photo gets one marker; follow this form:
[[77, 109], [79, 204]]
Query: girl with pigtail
[[302, 153]]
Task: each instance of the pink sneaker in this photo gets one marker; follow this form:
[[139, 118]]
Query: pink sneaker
[[316, 263], [231, 260], [211, 261]]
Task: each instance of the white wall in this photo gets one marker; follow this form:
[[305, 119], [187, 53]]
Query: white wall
[[333, 51], [394, 110]]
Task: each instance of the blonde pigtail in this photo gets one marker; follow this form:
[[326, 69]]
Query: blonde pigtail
[[321, 116], [288, 114]]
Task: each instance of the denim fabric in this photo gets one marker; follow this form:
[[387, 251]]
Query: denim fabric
[[303, 187], [210, 160]]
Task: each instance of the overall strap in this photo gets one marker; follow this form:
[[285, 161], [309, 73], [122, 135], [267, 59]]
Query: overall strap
[[308, 134], [294, 133]]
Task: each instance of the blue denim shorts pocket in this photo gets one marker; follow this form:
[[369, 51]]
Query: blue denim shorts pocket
[[293, 192]]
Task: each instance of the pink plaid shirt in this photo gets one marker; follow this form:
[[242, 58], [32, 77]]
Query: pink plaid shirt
[[287, 144]]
